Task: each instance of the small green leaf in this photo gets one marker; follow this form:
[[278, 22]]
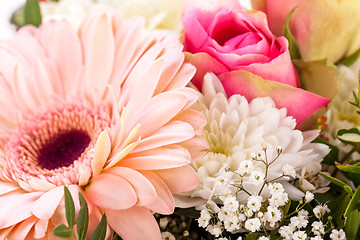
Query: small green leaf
[[349, 168], [354, 203], [338, 206], [62, 231], [32, 14], [69, 207], [337, 182], [293, 46], [351, 136], [100, 231], [352, 225], [83, 219], [350, 59]]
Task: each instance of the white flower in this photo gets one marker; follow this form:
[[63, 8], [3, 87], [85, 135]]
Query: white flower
[[163, 222], [298, 222], [253, 224], [303, 214], [167, 236], [276, 188], [316, 238], [278, 200], [230, 204], [320, 210], [337, 234], [204, 218], [239, 238], [289, 170], [254, 203], [235, 130], [231, 223], [286, 232], [214, 230], [263, 238], [222, 238], [245, 166], [299, 235], [273, 214], [318, 228], [257, 177], [309, 196]]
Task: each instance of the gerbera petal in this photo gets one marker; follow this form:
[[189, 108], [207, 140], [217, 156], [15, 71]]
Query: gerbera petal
[[98, 41], [9, 207], [40, 228], [164, 203], [110, 191], [144, 189], [6, 187], [134, 223], [66, 54], [102, 150], [195, 118], [197, 147], [178, 180], [21, 230], [156, 114], [181, 79], [159, 158], [173, 132], [45, 206]]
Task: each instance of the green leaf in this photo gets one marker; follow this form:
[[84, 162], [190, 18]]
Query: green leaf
[[351, 136], [352, 225], [349, 168], [100, 231], [83, 219], [333, 155], [354, 203], [32, 14], [350, 59], [293, 45], [337, 207], [116, 237], [62, 231], [253, 236], [69, 207], [333, 180]]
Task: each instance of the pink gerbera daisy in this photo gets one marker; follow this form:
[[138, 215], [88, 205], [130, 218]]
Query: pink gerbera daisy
[[104, 112]]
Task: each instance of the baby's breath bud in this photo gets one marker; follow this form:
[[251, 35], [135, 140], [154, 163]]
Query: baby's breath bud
[[186, 233]]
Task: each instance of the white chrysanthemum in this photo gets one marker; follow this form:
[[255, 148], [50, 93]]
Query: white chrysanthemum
[[237, 132], [158, 13], [340, 113]]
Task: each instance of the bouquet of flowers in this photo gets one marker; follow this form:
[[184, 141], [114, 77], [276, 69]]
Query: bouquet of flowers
[[206, 119]]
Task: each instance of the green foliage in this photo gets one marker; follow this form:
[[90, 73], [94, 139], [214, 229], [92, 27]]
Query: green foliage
[[69, 208], [350, 59], [100, 231], [62, 231], [337, 182], [352, 225], [32, 14], [83, 219], [293, 45], [354, 203], [350, 136]]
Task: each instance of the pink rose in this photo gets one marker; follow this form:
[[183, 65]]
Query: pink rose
[[238, 46], [323, 28]]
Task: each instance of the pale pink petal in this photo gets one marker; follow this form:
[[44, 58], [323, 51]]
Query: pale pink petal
[[164, 203], [145, 191], [101, 154], [109, 191], [173, 132], [6, 187], [65, 54], [182, 77], [159, 158], [40, 228], [134, 223], [195, 118], [178, 180], [46, 205], [94, 220], [21, 230], [9, 206], [197, 147], [155, 114], [98, 43]]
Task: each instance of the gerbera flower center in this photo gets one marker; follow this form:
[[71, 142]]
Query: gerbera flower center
[[56, 141]]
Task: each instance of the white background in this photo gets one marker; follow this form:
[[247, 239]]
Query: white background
[[7, 7]]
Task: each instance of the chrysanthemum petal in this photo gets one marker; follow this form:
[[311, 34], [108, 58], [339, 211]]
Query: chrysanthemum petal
[[159, 158], [178, 180], [45, 206], [144, 189], [173, 132], [134, 223], [102, 150], [9, 207], [109, 191], [164, 203]]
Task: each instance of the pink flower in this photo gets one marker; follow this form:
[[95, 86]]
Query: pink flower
[[315, 25], [238, 46], [104, 112]]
